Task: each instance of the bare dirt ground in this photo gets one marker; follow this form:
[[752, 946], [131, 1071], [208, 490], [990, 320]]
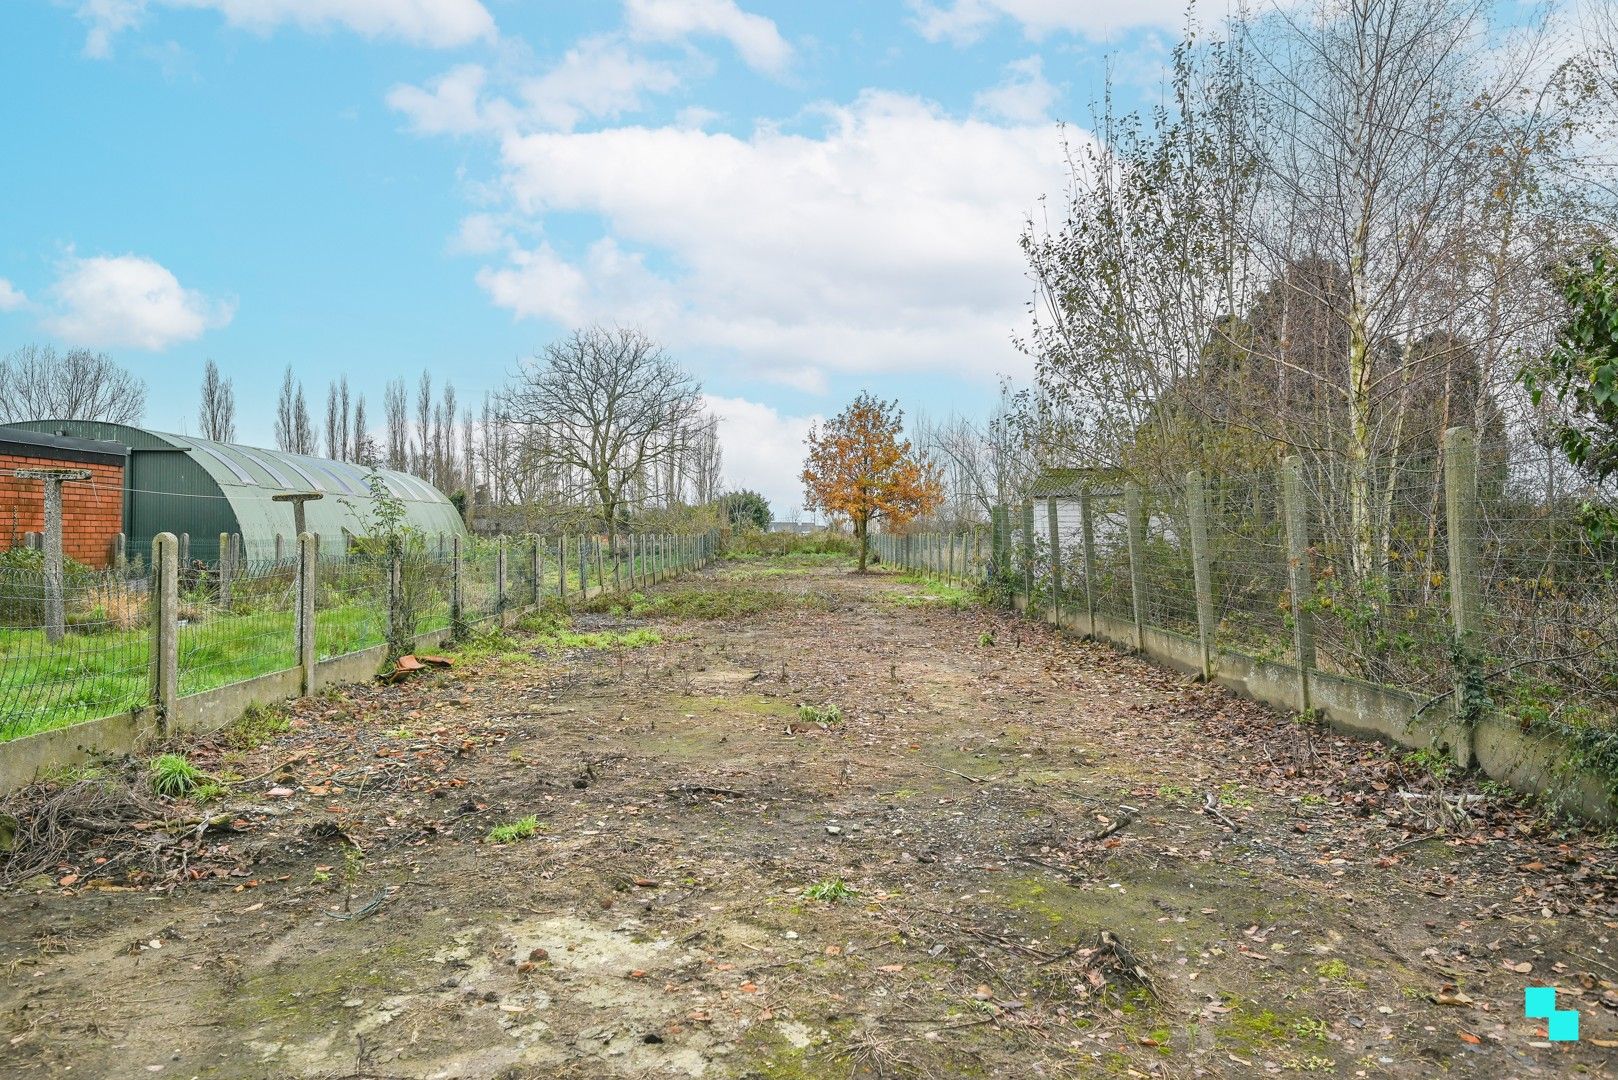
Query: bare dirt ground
[[1018, 874]]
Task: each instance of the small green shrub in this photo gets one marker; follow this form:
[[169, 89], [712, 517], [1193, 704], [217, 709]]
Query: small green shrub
[[830, 891], [825, 715], [173, 777], [511, 831]]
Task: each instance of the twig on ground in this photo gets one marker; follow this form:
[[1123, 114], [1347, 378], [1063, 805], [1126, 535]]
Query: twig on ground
[[1210, 806], [963, 776]]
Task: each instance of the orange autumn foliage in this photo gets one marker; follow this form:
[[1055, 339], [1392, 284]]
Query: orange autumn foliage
[[859, 468]]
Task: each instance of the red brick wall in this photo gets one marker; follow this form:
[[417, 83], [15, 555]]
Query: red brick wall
[[92, 510]]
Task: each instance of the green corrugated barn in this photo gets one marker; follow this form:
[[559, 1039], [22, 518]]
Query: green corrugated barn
[[182, 484]]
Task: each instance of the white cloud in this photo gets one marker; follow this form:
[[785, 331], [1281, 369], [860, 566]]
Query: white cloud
[[11, 298], [886, 243], [434, 23], [129, 300], [754, 37], [450, 105], [1025, 96], [965, 21], [598, 78], [764, 450]]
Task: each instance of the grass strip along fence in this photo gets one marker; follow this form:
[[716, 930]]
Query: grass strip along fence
[[1468, 610], [147, 642]]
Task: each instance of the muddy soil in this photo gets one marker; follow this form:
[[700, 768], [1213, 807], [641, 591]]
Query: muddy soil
[[999, 861]]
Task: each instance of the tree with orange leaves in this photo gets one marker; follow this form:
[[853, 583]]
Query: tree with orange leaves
[[859, 468]]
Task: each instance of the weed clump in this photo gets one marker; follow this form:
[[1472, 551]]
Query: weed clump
[[830, 891], [174, 777], [512, 831], [826, 715]]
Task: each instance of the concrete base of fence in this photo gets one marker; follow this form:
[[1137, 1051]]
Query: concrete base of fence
[[1532, 762], [23, 760]]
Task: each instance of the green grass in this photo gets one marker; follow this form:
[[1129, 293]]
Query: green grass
[[90, 675], [932, 593], [824, 715], [831, 891], [720, 603], [512, 831], [174, 777]]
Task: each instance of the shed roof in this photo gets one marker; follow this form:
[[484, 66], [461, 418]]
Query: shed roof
[[60, 447], [1068, 482]]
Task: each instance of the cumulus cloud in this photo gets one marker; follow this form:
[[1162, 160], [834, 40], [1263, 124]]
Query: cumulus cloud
[[129, 300], [1025, 96], [598, 78], [754, 37], [433, 23], [965, 21], [881, 243], [774, 450], [11, 298]]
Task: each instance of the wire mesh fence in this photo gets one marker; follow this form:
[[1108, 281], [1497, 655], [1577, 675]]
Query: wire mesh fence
[[99, 667], [1371, 548], [85, 649], [235, 623], [351, 603], [1247, 541]]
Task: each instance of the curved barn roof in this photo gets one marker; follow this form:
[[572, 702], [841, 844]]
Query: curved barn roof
[[249, 478]]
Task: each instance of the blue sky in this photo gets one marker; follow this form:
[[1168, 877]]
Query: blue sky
[[801, 200]]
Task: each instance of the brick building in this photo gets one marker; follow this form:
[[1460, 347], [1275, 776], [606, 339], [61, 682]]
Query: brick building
[[92, 510]]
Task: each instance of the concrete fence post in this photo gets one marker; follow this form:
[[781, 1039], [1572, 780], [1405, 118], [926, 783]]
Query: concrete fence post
[[1087, 540], [55, 580], [601, 567], [308, 562], [185, 550], [1135, 528], [226, 570], [1300, 575], [1054, 525], [279, 552], [1196, 500], [584, 572], [499, 574], [165, 601], [539, 570], [1028, 550], [120, 551], [1465, 597], [457, 597], [1000, 543], [561, 566]]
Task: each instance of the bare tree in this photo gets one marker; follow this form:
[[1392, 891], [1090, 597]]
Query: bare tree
[[41, 384], [334, 424], [424, 426], [396, 418], [294, 433], [286, 418], [361, 448], [602, 408], [217, 413]]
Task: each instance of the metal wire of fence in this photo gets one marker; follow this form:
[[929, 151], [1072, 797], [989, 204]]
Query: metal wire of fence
[[101, 665], [351, 603], [236, 627], [237, 619]]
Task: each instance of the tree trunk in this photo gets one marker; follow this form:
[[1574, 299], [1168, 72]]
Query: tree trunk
[[862, 533]]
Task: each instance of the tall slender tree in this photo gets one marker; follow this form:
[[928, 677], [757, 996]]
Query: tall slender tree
[[217, 413]]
